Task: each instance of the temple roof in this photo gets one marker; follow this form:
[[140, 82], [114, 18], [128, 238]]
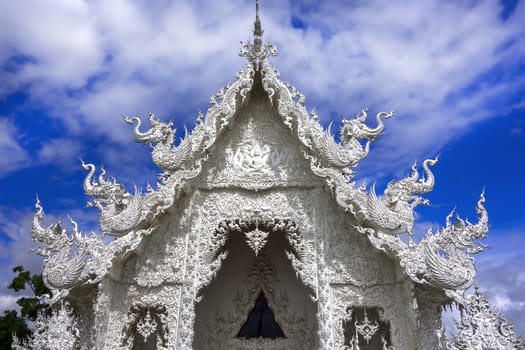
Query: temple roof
[[129, 217], [440, 265]]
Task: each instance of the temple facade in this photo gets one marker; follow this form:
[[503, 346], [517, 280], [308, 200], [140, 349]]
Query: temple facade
[[258, 237]]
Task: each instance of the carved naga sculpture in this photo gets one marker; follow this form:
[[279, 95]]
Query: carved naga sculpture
[[164, 154], [350, 151], [395, 214], [444, 259], [119, 210], [61, 272]]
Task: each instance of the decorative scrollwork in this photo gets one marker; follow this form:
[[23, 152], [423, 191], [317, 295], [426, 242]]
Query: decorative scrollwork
[[256, 233], [366, 328], [146, 326], [256, 239], [365, 332]]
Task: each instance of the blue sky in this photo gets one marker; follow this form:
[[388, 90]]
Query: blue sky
[[452, 71]]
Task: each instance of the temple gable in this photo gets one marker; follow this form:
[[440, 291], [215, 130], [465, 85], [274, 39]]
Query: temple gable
[[257, 151], [257, 236]]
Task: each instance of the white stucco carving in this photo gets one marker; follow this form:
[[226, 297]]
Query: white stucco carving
[[482, 327], [259, 197], [56, 332], [444, 259]]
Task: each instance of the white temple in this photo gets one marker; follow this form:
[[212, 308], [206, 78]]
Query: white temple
[[257, 237]]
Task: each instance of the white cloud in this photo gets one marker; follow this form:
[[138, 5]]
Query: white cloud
[[15, 234], [416, 58], [63, 152], [134, 57], [500, 274], [14, 156], [8, 302], [57, 38], [408, 55]]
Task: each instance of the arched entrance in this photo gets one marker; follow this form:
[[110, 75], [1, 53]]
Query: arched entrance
[[256, 297]]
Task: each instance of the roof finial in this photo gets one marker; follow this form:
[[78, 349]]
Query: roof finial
[[254, 50], [257, 28]]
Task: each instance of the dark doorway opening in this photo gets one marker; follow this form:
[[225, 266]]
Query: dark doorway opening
[[261, 322]]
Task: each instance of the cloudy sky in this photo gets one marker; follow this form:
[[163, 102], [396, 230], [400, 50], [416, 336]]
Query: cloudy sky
[[452, 70]]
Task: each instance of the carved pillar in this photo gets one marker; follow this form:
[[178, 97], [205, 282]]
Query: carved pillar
[[325, 296], [428, 318]]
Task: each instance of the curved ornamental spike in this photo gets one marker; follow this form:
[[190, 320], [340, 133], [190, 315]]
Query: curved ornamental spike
[[351, 151], [165, 155], [395, 213], [444, 259], [64, 256]]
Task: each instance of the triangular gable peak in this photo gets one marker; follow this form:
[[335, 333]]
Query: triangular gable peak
[[442, 260], [328, 159]]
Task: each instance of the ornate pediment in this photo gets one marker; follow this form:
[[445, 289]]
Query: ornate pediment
[[256, 135]]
